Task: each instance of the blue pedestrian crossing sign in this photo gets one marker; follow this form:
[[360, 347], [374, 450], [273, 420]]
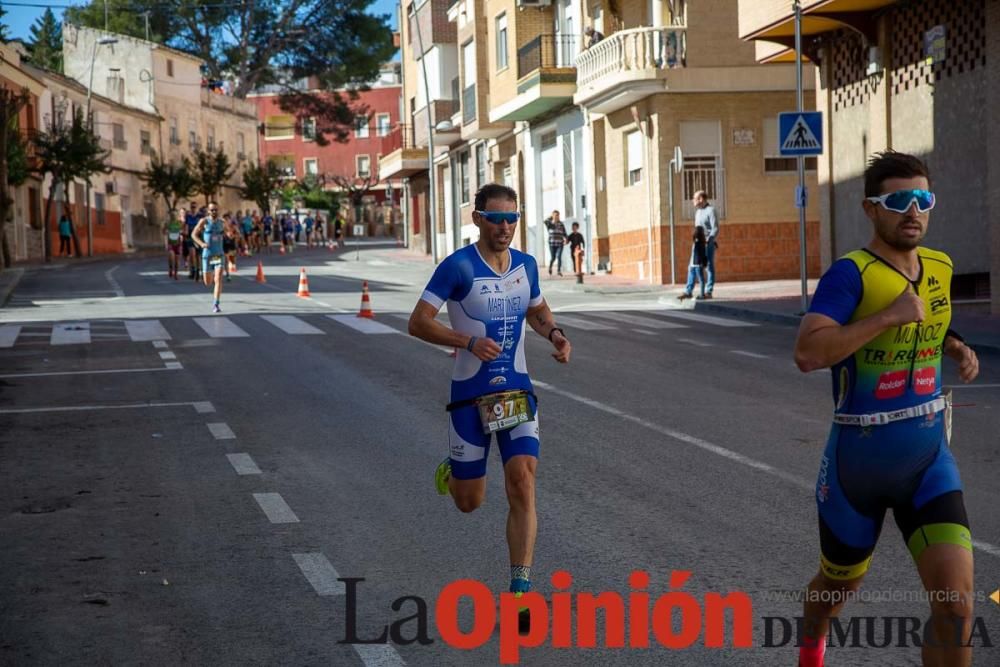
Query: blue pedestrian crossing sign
[[800, 133]]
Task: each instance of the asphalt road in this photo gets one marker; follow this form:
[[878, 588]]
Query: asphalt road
[[177, 487]]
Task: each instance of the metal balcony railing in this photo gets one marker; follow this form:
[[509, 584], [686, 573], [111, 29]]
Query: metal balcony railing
[[663, 47], [469, 104], [547, 51], [400, 136]]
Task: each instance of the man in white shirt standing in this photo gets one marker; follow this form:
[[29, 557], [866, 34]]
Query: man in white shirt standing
[[704, 216]]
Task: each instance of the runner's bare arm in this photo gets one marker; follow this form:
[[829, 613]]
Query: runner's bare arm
[[196, 234], [424, 326], [964, 356], [541, 320]]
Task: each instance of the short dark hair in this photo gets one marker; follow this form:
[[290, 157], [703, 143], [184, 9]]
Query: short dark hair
[[890, 164], [493, 191]]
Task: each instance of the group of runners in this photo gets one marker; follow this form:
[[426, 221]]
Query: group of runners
[[207, 244], [880, 320]]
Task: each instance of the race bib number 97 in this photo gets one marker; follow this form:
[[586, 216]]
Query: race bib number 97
[[504, 410]]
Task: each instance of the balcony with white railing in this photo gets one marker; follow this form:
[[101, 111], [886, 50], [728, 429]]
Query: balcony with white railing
[[628, 65]]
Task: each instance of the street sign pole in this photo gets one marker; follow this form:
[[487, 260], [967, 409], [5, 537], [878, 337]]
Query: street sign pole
[[801, 194]]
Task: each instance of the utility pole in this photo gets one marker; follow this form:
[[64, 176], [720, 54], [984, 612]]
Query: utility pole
[[803, 268]]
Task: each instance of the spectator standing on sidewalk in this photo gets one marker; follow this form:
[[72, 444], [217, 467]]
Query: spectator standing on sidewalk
[[65, 233], [557, 239], [576, 245], [705, 217], [696, 267]]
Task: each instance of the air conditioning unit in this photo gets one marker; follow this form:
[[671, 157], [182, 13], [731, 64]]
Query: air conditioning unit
[[534, 3]]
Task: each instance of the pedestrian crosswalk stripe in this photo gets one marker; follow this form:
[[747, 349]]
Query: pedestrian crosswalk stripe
[[648, 322], [70, 333], [580, 323], [707, 319], [220, 327], [146, 330], [291, 324], [364, 325], [8, 334]]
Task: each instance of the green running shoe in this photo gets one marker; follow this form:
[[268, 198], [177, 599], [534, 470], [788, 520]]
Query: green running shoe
[[523, 618], [441, 477]]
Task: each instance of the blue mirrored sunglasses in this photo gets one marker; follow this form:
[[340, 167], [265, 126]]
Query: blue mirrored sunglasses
[[498, 217], [901, 200]]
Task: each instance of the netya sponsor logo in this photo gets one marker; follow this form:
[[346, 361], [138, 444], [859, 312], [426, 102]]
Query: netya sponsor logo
[[674, 620]]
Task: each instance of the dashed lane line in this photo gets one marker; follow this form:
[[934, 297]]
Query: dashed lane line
[[320, 573], [275, 508], [199, 406], [243, 464], [221, 431]]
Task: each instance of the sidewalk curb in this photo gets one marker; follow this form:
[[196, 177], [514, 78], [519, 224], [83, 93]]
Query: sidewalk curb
[[747, 313], [789, 319], [9, 280]]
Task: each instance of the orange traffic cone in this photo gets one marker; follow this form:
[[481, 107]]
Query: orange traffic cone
[[366, 303], [303, 284], [260, 272]]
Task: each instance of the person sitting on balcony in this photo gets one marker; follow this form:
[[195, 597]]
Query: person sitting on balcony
[[593, 36]]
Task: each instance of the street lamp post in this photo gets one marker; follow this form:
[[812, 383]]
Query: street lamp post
[[103, 41]]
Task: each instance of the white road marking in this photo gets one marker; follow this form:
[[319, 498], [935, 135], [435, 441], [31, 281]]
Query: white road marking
[[364, 325], [640, 321], [750, 354], [795, 480], [160, 344], [643, 331], [220, 327], [167, 355], [706, 319], [974, 386], [70, 333], [168, 367], [111, 280], [140, 330], [128, 406], [173, 365], [275, 507], [221, 431], [243, 464], [292, 325], [585, 325], [699, 343], [378, 655], [203, 407], [319, 572], [8, 334]]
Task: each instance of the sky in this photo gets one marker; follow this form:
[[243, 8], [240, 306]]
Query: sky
[[20, 19]]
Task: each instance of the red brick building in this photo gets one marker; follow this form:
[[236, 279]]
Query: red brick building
[[288, 141]]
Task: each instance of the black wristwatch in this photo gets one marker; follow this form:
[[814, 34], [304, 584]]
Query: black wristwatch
[[555, 329]]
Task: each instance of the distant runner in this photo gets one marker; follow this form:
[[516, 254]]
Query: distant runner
[[208, 236]]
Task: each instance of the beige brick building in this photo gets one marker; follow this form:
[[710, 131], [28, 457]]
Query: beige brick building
[[919, 77], [591, 131], [159, 80]]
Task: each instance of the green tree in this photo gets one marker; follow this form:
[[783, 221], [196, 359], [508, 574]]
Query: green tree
[[260, 184], [211, 171], [128, 17], [13, 160], [336, 43], [3, 25], [46, 42], [66, 152], [173, 182]]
